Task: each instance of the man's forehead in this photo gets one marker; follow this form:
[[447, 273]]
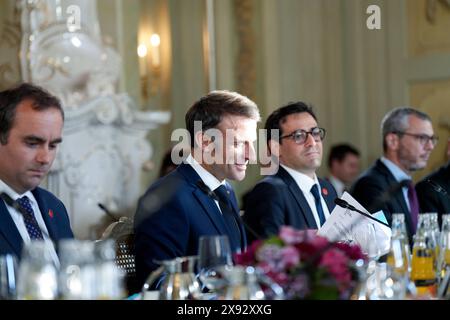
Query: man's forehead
[[418, 123]]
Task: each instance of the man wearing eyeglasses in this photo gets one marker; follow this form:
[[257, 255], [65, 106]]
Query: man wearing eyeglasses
[[408, 139], [293, 196]]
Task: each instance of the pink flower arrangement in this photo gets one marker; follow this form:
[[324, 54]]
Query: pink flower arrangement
[[305, 265]]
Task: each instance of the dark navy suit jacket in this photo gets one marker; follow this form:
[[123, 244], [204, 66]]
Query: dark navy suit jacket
[[277, 200], [170, 218], [55, 217], [430, 200], [370, 187]]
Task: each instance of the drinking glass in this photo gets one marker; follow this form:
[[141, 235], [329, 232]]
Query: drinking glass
[[8, 277], [214, 253]]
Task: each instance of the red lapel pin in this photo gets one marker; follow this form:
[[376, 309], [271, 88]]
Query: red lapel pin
[[325, 191], [50, 213]]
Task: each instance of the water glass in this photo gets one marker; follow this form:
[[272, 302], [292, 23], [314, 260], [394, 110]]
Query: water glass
[[214, 253]]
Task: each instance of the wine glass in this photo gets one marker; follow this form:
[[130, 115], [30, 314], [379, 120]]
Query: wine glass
[[214, 253]]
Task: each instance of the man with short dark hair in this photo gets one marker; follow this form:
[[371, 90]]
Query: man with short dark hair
[[408, 139], [343, 162], [195, 199], [31, 122], [293, 196]]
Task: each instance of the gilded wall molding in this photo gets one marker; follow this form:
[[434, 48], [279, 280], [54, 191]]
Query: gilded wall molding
[[10, 38], [432, 6], [246, 72]]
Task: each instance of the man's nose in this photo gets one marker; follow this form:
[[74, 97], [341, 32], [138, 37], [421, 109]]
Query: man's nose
[[250, 153], [43, 155], [310, 141]]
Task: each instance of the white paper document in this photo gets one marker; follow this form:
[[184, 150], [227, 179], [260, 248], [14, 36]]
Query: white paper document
[[350, 226]]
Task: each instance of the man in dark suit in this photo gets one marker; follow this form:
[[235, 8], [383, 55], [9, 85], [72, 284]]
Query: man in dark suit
[[31, 122], [294, 195], [195, 199], [343, 164], [431, 200], [408, 139]]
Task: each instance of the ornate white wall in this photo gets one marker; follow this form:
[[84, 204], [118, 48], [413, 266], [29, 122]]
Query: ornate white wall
[[105, 146]]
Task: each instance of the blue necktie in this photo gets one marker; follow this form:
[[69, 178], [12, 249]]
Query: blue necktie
[[228, 214], [30, 221], [316, 194]]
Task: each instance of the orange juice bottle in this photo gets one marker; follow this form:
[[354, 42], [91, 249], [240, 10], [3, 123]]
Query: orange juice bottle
[[423, 269]]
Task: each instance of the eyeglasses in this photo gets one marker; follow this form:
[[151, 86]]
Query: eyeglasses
[[423, 138], [300, 136]]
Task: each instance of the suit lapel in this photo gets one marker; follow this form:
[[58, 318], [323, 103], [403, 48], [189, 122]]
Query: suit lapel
[[398, 197], [327, 195], [45, 211], [9, 230], [206, 202], [299, 197]]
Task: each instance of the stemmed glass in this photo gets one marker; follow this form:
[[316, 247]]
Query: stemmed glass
[[214, 253]]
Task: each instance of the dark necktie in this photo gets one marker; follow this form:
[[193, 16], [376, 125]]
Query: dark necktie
[[413, 205], [316, 194], [229, 215], [30, 220]]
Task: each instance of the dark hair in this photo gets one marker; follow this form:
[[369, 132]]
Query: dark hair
[[11, 98], [278, 117], [211, 108], [396, 121], [339, 152], [167, 163]]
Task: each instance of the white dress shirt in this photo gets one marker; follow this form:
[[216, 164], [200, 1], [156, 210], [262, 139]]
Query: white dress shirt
[[399, 175], [338, 185], [305, 184], [17, 217], [210, 180]]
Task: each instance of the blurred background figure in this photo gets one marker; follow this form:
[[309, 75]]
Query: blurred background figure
[[171, 159], [344, 166]]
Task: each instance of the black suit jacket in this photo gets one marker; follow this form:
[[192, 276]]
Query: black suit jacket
[[55, 217], [277, 200], [371, 186], [431, 200]]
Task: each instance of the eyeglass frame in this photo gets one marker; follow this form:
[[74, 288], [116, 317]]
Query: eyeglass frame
[[322, 132], [421, 137]]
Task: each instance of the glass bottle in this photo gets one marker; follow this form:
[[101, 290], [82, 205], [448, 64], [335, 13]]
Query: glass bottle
[[37, 279], [110, 280], [434, 232], [423, 270], [77, 279], [444, 257], [399, 254]]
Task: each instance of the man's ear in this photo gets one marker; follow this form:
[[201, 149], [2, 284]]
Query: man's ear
[[392, 141], [202, 140]]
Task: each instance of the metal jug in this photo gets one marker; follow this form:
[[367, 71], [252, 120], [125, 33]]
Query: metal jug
[[244, 283], [179, 283]]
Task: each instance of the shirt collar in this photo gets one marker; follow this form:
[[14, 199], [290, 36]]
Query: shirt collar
[[398, 173], [13, 194], [337, 184], [211, 181], [304, 182]]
